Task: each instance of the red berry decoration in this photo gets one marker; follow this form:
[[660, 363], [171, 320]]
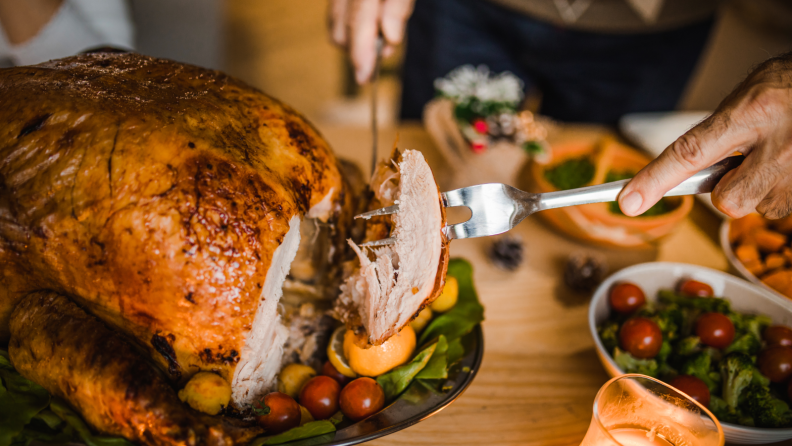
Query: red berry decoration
[[478, 147], [481, 126]]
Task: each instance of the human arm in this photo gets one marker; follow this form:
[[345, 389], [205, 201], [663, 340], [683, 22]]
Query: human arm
[[22, 20], [356, 24], [755, 120]]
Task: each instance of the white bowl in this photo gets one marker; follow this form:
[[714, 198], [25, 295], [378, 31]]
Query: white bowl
[[736, 264], [744, 297]]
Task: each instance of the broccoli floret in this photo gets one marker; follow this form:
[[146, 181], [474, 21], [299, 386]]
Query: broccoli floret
[[700, 366], [609, 335], [722, 411], [736, 375], [747, 344], [765, 409], [631, 364], [688, 346], [709, 304], [750, 323], [670, 320], [759, 379]]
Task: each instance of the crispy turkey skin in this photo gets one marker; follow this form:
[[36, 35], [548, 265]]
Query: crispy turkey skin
[[166, 200], [77, 358]]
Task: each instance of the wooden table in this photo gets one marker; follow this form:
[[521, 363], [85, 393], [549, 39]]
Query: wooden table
[[540, 371]]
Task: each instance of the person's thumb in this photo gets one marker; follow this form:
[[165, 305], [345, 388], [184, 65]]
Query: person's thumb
[[703, 145]]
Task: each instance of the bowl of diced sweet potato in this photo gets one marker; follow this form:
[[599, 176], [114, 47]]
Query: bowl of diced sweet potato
[[760, 250]]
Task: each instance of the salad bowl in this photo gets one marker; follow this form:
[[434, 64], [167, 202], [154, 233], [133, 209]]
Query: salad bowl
[[743, 295]]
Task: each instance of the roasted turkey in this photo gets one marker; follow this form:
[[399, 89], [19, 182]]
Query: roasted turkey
[[152, 216]]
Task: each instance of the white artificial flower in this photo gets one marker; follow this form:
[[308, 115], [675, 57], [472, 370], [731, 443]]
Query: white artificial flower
[[467, 82]]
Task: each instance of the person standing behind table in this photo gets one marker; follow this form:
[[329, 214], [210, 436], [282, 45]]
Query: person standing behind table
[[34, 31], [592, 60]]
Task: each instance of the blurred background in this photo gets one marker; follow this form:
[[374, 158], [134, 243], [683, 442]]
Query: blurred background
[[282, 47]]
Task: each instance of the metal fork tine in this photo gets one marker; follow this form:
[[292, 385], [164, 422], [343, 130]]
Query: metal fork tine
[[383, 242], [382, 211]]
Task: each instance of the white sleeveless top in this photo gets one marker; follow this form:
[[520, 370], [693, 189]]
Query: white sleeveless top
[[77, 26]]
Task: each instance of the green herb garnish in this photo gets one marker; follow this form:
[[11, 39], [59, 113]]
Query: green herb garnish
[[571, 174]]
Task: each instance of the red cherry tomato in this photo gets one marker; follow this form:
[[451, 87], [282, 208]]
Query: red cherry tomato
[[778, 335], [329, 370], [693, 387], [320, 396], [695, 288], [715, 330], [641, 337], [283, 412], [775, 363], [626, 297], [361, 398]]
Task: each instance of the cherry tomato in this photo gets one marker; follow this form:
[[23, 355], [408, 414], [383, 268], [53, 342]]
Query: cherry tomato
[[775, 363], [361, 398], [695, 288], [283, 413], [715, 330], [778, 335], [329, 370], [626, 297], [641, 337], [693, 387], [320, 396]]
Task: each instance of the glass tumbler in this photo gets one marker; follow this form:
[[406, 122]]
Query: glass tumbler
[[637, 410]]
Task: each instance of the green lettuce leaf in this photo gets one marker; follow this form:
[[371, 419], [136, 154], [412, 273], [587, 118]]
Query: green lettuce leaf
[[466, 314], [394, 382], [307, 430], [20, 401], [437, 367], [455, 351]]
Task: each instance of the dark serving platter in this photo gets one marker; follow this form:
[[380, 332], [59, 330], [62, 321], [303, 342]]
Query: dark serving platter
[[416, 404]]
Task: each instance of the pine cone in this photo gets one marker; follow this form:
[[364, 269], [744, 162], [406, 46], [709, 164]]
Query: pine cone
[[584, 271], [506, 253]]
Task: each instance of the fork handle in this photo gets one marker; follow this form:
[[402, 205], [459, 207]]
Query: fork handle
[[700, 183]]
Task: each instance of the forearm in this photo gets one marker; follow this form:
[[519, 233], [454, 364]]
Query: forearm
[[23, 19]]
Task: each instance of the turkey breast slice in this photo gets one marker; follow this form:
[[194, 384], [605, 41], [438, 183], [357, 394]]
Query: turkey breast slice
[[395, 282], [262, 354]]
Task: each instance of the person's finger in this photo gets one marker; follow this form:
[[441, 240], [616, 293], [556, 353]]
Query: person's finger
[[778, 203], [394, 19], [363, 32], [337, 21], [740, 191], [707, 143], [388, 50]]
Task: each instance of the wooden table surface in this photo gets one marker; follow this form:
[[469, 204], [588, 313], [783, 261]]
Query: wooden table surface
[[540, 371]]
